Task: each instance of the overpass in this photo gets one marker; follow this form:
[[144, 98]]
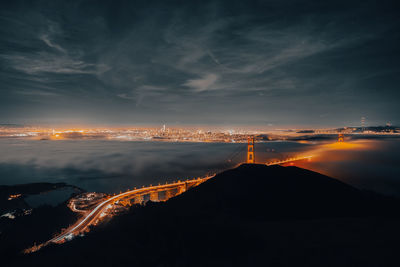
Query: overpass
[[135, 196]]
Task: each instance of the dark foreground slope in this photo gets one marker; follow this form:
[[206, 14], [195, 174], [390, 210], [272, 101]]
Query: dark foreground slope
[[250, 216]]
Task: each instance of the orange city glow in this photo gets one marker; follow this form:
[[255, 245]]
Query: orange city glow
[[344, 146]]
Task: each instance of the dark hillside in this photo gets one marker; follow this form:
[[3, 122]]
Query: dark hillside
[[249, 216], [275, 192]]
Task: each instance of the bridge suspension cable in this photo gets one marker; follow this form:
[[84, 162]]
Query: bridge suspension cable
[[236, 152]]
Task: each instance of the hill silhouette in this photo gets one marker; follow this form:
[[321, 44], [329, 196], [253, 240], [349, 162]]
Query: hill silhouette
[[253, 215], [276, 192]]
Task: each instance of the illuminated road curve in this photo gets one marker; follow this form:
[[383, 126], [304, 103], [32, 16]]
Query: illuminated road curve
[[93, 216]]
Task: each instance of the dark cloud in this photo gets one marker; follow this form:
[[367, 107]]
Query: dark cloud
[[232, 62]]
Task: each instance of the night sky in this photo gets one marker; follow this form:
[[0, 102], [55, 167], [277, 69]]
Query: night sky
[[270, 63]]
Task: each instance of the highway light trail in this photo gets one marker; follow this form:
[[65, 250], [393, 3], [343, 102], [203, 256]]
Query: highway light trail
[[89, 219]]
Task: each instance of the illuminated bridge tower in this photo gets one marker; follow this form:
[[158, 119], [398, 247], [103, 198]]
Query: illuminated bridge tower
[[250, 150], [340, 138]]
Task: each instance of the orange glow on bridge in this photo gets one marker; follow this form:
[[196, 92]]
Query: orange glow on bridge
[[289, 160]]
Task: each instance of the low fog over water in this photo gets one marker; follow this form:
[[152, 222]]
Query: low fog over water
[[111, 166]]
